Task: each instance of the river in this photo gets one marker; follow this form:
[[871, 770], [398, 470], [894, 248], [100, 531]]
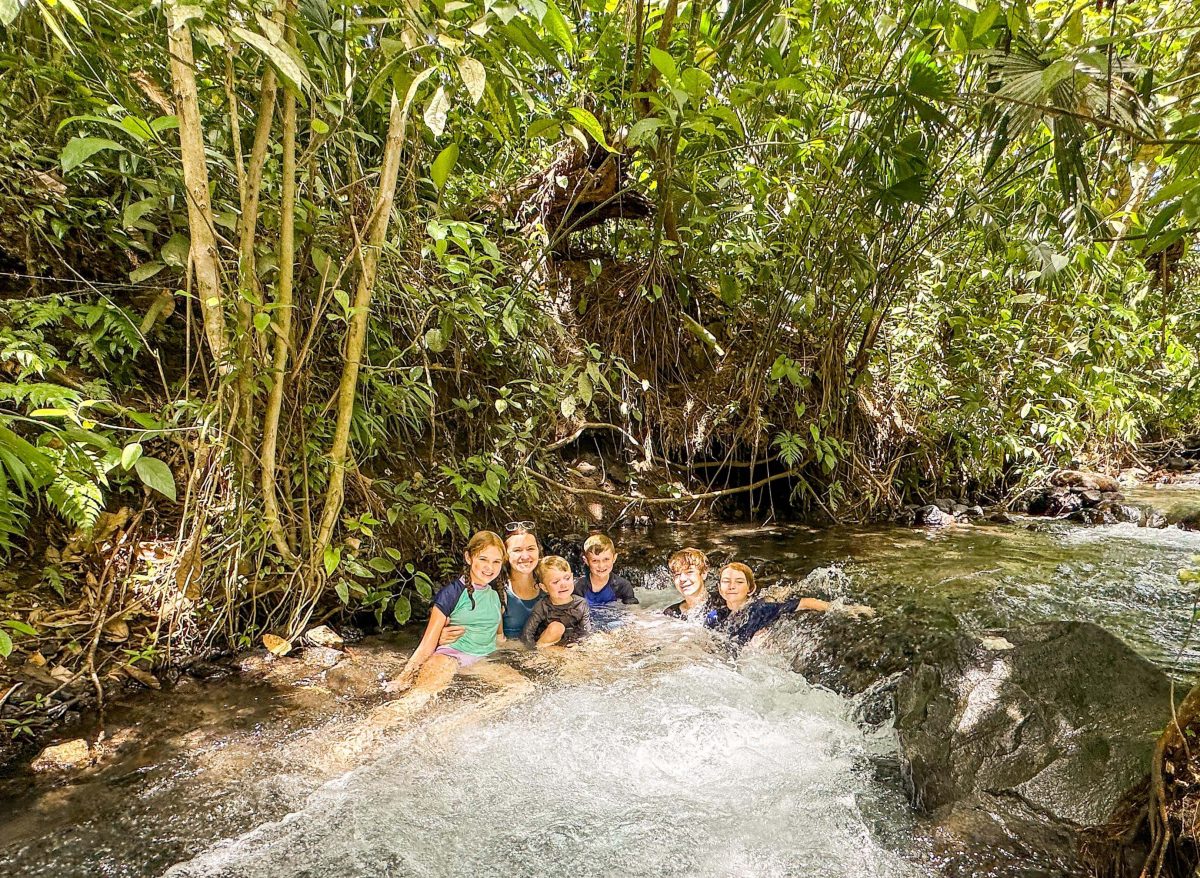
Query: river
[[652, 750]]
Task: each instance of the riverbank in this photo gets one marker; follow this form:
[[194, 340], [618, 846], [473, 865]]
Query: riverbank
[[929, 585], [924, 574]]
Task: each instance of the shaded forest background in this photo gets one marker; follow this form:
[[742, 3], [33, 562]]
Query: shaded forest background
[[296, 296]]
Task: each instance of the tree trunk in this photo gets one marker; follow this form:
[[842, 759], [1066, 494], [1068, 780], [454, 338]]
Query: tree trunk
[[357, 332], [281, 318], [195, 179]]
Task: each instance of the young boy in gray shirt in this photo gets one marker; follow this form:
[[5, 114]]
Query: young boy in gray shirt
[[562, 618]]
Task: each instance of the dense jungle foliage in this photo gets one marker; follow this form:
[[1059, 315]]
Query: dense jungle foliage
[[296, 295]]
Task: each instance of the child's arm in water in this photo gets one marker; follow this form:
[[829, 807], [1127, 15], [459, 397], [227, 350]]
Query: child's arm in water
[[429, 642], [819, 606]]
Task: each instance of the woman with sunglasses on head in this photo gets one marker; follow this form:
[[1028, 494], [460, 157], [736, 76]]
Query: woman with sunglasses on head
[[521, 590]]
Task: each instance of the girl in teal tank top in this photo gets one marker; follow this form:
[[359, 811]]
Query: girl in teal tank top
[[472, 602]]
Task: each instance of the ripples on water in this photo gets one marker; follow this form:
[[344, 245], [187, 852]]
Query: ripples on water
[[650, 753], [676, 762]]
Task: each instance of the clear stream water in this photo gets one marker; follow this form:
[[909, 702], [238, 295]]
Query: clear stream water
[[650, 750]]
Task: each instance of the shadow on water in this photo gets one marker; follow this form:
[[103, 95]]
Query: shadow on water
[[650, 751]]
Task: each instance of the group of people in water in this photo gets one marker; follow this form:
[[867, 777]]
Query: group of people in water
[[539, 602]]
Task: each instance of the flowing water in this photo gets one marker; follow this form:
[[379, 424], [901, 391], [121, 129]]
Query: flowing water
[[649, 750]]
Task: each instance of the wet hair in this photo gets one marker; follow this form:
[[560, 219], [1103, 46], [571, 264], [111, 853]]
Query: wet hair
[[598, 544], [689, 557], [485, 539], [745, 571], [552, 562]]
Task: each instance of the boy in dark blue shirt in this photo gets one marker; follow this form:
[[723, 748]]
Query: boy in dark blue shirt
[[600, 585]]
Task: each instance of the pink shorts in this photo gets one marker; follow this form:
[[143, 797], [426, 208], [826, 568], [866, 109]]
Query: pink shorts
[[465, 659]]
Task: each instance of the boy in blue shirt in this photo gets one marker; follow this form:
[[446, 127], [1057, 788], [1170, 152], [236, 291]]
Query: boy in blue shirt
[[600, 585]]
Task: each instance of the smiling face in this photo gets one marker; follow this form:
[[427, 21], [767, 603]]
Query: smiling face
[[523, 554], [600, 565], [735, 588], [689, 581], [485, 564], [559, 585]]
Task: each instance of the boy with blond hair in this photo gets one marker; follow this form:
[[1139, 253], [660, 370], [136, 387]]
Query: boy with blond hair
[[689, 572], [562, 618], [600, 585]]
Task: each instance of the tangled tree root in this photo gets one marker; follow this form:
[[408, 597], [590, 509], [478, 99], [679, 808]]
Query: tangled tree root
[[1155, 831]]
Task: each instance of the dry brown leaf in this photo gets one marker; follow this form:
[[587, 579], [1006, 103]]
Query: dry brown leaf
[[144, 677], [36, 659], [276, 645], [63, 675], [116, 631]]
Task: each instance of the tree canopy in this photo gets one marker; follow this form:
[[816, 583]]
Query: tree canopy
[[334, 282]]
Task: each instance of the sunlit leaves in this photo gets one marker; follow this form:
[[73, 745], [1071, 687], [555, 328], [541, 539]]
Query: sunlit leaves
[[440, 170], [79, 149]]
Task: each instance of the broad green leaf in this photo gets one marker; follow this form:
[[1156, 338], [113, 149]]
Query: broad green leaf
[[145, 271], [137, 126], [175, 252], [557, 25], [591, 125], [1062, 69], [643, 129], [320, 126], [79, 149], [343, 592], [6, 645], [434, 341], [290, 67], [330, 559], [138, 209], [9, 10], [440, 170], [664, 63], [474, 77], [382, 564], [402, 610], [130, 455], [547, 128], [436, 112], [156, 475], [406, 85], [985, 19], [567, 407], [20, 627]]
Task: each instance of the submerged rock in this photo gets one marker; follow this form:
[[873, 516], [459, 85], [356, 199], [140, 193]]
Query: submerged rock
[[1092, 516], [1060, 725], [66, 756], [1054, 501], [932, 516]]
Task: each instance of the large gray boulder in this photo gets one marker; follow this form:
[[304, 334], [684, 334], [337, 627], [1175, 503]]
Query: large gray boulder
[[1060, 717]]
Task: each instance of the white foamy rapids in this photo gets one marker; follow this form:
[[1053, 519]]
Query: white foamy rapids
[[831, 580], [675, 762]]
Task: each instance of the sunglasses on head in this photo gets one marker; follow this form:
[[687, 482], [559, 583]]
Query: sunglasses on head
[[515, 526]]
